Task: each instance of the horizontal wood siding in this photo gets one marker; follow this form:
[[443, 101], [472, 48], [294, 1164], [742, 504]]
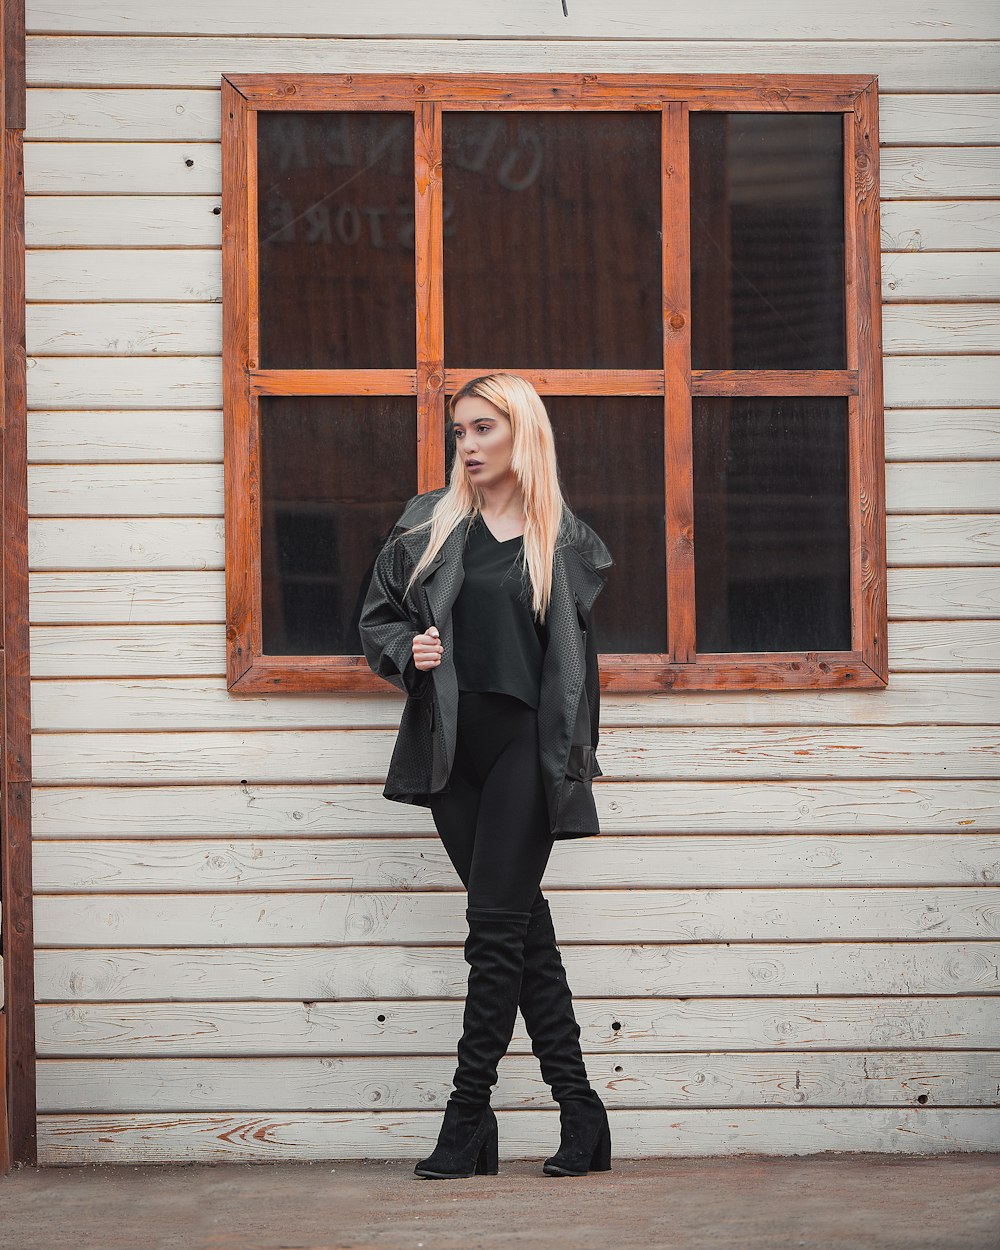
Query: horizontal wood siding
[[787, 939]]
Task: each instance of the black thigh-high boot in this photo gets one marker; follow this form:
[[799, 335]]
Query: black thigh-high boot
[[547, 1008], [494, 951]]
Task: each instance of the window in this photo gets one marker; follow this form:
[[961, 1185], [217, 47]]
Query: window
[[688, 271]]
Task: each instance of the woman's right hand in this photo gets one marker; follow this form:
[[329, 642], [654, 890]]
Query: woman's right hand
[[427, 649]]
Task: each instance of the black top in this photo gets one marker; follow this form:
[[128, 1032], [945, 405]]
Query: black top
[[498, 643]]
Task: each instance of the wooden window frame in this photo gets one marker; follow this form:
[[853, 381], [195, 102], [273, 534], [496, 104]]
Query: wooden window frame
[[427, 96]]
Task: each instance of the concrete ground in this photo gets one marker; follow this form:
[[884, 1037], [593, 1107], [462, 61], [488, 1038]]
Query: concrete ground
[[755, 1202]]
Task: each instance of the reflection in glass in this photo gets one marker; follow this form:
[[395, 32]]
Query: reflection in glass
[[552, 240], [772, 534], [610, 455], [336, 472], [335, 199], [767, 241]]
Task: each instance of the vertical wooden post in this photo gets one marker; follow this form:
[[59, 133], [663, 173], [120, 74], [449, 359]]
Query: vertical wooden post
[[677, 384], [15, 757], [429, 240]]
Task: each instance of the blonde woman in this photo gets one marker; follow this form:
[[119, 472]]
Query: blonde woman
[[479, 610]]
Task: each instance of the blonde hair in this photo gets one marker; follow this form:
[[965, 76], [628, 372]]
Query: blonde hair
[[533, 460]]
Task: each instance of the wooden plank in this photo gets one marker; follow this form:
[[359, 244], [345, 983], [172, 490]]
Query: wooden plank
[[306, 1083], [331, 1025], [942, 276], [165, 61], [942, 646], [184, 275], [940, 225], [127, 382], [701, 969], [942, 434], [164, 703], [204, 865], [569, 381], [68, 113], [17, 1081], [941, 487], [104, 490], [117, 220], [940, 118], [210, 1137], [773, 753], [940, 381], [678, 463], [161, 169], [130, 597], [124, 330], [937, 593], [934, 329], [172, 435], [148, 650], [332, 381], [143, 543], [239, 247], [943, 539], [956, 172], [854, 806], [429, 292], [644, 19]]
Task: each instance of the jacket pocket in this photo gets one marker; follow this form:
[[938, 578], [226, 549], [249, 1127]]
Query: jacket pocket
[[581, 763]]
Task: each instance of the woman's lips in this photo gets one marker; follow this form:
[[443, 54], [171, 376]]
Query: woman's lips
[[473, 467]]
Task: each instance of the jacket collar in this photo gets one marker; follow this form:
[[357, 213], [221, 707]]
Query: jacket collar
[[578, 555]]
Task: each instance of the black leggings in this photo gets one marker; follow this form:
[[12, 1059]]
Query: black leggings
[[494, 820]]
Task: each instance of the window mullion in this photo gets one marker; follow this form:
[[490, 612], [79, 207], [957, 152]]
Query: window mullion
[[677, 442], [429, 263]]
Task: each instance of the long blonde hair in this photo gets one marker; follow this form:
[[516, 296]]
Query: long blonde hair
[[533, 460]]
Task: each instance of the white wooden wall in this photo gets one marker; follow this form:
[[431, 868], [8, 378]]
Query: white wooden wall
[[788, 938]]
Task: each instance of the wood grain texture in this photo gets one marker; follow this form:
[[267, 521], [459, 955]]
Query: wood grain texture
[[361, 970], [628, 1080], [17, 1089], [237, 191], [677, 384], [257, 1137]]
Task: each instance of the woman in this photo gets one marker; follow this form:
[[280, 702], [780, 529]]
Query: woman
[[479, 610]]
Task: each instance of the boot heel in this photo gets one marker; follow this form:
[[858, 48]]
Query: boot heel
[[600, 1160], [488, 1160]]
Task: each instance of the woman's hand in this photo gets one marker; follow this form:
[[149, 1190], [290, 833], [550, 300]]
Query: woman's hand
[[427, 649]]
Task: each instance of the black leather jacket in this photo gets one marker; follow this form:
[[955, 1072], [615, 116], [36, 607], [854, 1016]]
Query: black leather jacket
[[569, 696]]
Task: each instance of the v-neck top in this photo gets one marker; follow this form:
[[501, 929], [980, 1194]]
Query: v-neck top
[[498, 643]]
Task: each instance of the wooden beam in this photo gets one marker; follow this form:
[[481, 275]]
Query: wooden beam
[[15, 693]]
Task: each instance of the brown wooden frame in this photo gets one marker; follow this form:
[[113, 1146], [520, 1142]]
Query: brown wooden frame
[[674, 96], [18, 1140]]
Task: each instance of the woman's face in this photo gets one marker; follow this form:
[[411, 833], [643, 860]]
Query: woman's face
[[483, 438]]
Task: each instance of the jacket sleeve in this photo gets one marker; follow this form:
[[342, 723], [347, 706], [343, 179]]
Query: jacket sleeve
[[386, 627]]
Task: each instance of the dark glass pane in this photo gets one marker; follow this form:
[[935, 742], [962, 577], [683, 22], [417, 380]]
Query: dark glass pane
[[335, 209], [552, 240], [610, 453], [335, 474], [767, 241], [772, 534]]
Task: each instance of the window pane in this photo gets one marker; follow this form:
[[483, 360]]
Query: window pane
[[772, 535], [767, 241], [335, 221], [552, 240], [335, 474], [610, 453]]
